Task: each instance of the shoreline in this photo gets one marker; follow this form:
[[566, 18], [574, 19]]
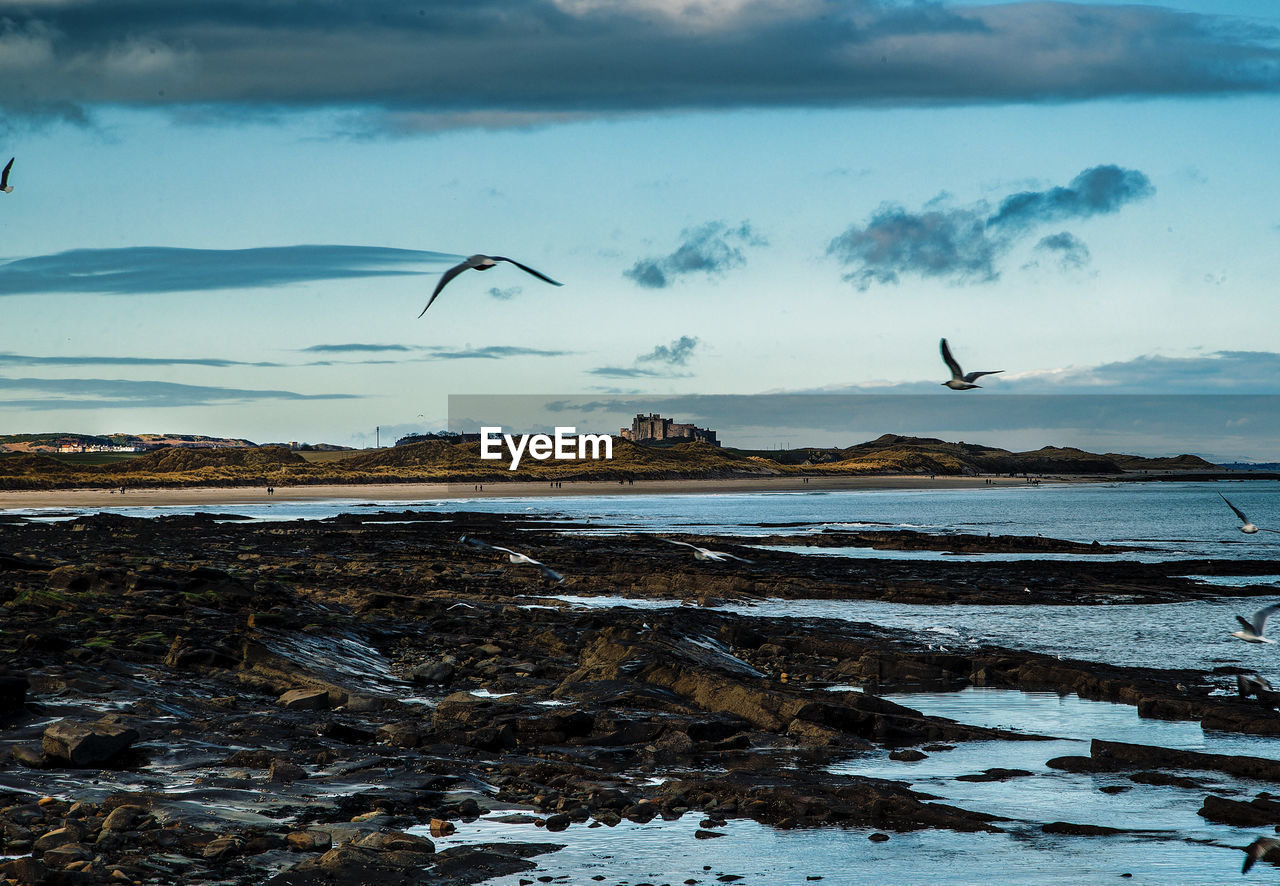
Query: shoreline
[[26, 499]]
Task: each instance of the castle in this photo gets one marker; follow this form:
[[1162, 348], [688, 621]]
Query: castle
[[654, 428]]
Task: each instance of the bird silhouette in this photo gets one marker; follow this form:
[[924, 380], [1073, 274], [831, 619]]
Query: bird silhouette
[[482, 263], [960, 380]]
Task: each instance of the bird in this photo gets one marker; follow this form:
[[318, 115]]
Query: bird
[[1254, 629], [482, 263], [4, 177], [1258, 849], [1248, 528], [961, 381], [1252, 684], [515, 557], [704, 554]]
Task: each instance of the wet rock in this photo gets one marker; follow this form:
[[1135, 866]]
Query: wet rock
[[405, 734], [124, 818], [1166, 779], [878, 837], [29, 755], [908, 755], [66, 854], [994, 774], [25, 871], [701, 834], [55, 838], [285, 772], [435, 674], [558, 822], [222, 848], [309, 841], [87, 744], [1152, 757], [1079, 830], [1260, 811], [396, 841], [304, 700]]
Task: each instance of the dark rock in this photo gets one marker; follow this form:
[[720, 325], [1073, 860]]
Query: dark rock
[[908, 755], [994, 774], [1258, 812], [878, 837], [304, 700], [13, 691], [87, 744], [1080, 830]]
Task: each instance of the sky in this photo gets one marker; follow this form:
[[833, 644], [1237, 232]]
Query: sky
[[227, 216]]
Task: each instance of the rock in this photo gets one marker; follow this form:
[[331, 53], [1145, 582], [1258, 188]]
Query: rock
[[26, 871], [304, 700], [1080, 830], [701, 834], [309, 841], [86, 744], [1258, 812], [908, 755], [557, 822], [285, 772], [814, 734], [67, 853], [1152, 757], [994, 774], [55, 838], [222, 848], [878, 837], [123, 818], [29, 755], [436, 674], [396, 841]]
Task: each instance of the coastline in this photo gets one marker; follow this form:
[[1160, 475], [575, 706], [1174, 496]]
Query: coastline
[[218, 496]]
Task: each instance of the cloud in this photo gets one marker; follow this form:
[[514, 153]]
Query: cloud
[[627, 372], [96, 393], [712, 248], [491, 63], [151, 269], [354, 348], [675, 354], [1070, 250], [506, 294], [1102, 189], [491, 352], [10, 359], [963, 244], [1220, 372]]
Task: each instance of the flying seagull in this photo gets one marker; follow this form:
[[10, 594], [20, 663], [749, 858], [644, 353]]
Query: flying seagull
[[515, 557], [704, 554], [1258, 849], [482, 263], [1253, 629], [1248, 528], [960, 381], [4, 177]]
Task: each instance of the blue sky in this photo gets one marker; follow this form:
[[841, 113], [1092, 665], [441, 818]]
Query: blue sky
[[740, 196]]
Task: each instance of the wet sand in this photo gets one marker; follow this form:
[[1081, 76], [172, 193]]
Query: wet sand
[[222, 496]]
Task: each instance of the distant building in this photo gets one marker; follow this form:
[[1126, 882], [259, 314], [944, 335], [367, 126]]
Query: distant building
[[653, 428]]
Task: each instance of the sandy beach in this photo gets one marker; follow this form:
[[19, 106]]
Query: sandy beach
[[221, 496]]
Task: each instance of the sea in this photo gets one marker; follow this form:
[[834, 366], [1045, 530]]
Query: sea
[[1165, 840]]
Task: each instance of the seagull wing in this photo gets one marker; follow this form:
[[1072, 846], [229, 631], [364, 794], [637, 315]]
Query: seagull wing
[[444, 280], [551, 573], [1260, 618], [735, 557], [508, 551], [476, 543], [973, 376], [1258, 849], [527, 269], [683, 544], [1260, 529], [4, 176], [956, 372], [1239, 513], [1246, 624]]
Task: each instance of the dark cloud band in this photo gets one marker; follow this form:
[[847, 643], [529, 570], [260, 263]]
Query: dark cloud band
[[438, 63], [150, 269]]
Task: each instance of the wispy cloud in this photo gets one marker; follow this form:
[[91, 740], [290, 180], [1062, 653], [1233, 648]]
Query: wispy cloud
[[152, 269], [675, 354], [505, 293], [430, 66], [99, 393], [10, 359], [712, 249], [490, 352], [354, 348], [1068, 249], [963, 244]]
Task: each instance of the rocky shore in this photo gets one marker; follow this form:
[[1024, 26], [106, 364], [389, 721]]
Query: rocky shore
[[201, 700]]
